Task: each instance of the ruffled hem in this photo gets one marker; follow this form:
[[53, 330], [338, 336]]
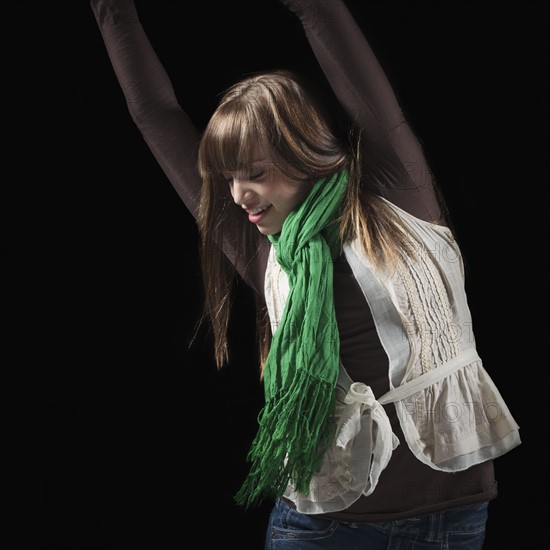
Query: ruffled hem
[[459, 421]]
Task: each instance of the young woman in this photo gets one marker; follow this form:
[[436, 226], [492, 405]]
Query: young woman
[[380, 422]]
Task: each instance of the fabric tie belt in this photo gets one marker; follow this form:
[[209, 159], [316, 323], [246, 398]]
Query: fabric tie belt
[[360, 400]]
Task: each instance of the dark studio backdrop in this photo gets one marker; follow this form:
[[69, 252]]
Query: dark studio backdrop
[[121, 436]]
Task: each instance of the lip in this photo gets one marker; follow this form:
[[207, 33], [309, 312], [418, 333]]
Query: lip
[[257, 218]]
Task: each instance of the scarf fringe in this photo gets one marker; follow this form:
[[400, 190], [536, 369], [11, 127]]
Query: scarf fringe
[[289, 448]]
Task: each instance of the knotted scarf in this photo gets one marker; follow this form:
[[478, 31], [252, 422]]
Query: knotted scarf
[[302, 366]]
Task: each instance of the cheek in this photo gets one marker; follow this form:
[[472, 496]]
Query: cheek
[[287, 195], [300, 195], [228, 189], [293, 193]]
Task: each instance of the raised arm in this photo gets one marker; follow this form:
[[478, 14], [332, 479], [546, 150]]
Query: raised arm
[[396, 165], [153, 106]]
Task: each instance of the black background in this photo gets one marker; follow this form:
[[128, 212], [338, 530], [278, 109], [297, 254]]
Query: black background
[[118, 434]]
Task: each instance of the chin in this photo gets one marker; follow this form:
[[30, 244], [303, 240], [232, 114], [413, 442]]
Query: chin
[[268, 231]]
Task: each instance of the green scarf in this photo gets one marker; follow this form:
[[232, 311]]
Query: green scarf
[[302, 366]]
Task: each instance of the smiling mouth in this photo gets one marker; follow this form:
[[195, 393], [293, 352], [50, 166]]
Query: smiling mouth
[[257, 214]]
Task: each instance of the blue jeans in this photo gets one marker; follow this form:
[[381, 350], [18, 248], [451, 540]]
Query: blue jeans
[[457, 529]]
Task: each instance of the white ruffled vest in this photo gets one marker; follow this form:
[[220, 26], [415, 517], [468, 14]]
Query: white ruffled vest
[[450, 411]]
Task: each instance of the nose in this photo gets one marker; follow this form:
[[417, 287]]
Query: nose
[[240, 191]]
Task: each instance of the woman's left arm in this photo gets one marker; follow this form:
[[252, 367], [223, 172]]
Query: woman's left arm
[[396, 165]]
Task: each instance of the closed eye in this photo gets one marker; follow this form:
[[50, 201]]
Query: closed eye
[[257, 176]]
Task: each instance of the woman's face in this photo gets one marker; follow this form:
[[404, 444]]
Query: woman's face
[[266, 195]]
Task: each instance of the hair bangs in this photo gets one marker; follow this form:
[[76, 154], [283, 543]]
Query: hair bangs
[[230, 141]]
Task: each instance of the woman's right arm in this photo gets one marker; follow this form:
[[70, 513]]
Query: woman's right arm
[[165, 127], [153, 106]]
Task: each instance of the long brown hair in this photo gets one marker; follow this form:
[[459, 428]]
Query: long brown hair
[[274, 111]]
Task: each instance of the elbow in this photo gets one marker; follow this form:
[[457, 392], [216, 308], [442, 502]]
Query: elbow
[[147, 110]]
